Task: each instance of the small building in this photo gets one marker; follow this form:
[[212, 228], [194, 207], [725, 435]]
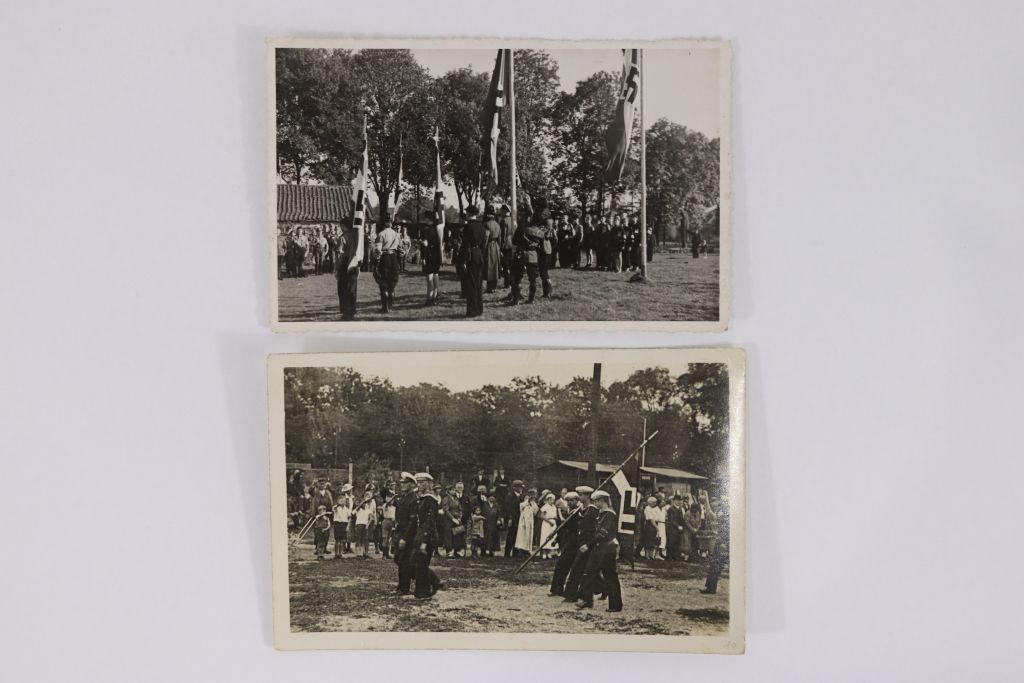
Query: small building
[[571, 473], [308, 205]]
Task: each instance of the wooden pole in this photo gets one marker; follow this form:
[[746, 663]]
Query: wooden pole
[[595, 413], [643, 173], [514, 176]]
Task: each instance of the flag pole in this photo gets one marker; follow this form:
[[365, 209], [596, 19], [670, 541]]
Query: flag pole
[[514, 176], [600, 486], [643, 174]]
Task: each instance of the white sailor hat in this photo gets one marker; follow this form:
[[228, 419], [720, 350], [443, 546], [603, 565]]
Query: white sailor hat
[[424, 476], [584, 490], [346, 488], [600, 494], [571, 495], [407, 476]]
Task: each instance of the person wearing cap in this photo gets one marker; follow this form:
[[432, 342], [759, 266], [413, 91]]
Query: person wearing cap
[[346, 269], [425, 539], [471, 259], [321, 531], [527, 241], [584, 540], [403, 532], [492, 251], [320, 496], [513, 501], [601, 572], [568, 544]]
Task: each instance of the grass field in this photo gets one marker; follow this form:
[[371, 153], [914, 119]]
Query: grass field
[[352, 594], [679, 288]]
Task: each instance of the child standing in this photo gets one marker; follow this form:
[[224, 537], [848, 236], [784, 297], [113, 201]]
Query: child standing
[[321, 531], [342, 511], [476, 537]]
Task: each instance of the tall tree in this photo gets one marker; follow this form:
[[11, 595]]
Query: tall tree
[[392, 88], [682, 168], [459, 95]]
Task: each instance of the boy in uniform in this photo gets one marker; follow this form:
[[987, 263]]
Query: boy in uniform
[[321, 531]]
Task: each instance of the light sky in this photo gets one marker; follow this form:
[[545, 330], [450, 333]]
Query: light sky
[[682, 85]]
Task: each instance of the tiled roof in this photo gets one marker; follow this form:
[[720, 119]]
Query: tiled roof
[[313, 203]]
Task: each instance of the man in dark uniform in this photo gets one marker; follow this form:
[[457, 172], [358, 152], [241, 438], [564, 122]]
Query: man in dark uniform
[[673, 528], [601, 566], [512, 502], [492, 251], [585, 541], [568, 543], [425, 538], [720, 552], [471, 258], [388, 247], [346, 270], [527, 241], [405, 507]]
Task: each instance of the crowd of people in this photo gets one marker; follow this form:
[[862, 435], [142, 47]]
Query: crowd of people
[[487, 250], [494, 515]]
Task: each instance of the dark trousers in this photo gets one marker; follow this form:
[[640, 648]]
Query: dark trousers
[[673, 541], [388, 270], [406, 568], [510, 536], [602, 574], [719, 561], [507, 260], [561, 572], [348, 282], [545, 280], [320, 539], [521, 268], [576, 572], [424, 585], [474, 286]]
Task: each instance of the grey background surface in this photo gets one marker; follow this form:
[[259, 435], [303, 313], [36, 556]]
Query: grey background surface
[[878, 173]]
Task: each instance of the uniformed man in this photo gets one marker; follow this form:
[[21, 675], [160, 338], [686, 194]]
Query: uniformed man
[[602, 572], [568, 544], [566, 233], [586, 255], [471, 259], [388, 247], [404, 532], [301, 249], [346, 270], [585, 541], [549, 240], [425, 538], [719, 559], [527, 240]]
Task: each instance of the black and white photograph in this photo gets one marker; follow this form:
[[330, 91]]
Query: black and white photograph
[[472, 184], [570, 499]]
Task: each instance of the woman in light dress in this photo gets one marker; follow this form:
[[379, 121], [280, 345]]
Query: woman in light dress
[[655, 518], [524, 534], [548, 523], [662, 528]]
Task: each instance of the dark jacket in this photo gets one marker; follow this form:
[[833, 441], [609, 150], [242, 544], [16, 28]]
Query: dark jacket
[[673, 520], [474, 240], [587, 525], [606, 527], [569, 534], [405, 521], [426, 520]]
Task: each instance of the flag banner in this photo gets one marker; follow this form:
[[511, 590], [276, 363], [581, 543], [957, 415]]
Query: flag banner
[[626, 481], [621, 128], [495, 102], [438, 193], [398, 185], [359, 203]]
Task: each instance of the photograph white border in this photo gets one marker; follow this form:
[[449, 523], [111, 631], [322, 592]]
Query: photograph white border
[[732, 643], [458, 325]]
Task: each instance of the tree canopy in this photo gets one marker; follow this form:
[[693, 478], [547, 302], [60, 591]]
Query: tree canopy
[[334, 416], [323, 95]]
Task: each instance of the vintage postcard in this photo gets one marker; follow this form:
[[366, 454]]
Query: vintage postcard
[[579, 499], [496, 184]]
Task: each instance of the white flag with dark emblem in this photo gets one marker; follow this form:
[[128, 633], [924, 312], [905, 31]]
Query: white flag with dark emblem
[[359, 203]]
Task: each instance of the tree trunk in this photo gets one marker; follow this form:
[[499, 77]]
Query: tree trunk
[[383, 203]]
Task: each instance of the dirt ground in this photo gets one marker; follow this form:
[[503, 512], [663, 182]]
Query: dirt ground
[[679, 288], [353, 594]]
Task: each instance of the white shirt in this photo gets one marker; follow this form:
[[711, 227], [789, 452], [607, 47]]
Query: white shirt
[[365, 513]]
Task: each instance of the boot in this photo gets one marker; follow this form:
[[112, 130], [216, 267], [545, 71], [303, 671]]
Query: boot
[[547, 288]]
